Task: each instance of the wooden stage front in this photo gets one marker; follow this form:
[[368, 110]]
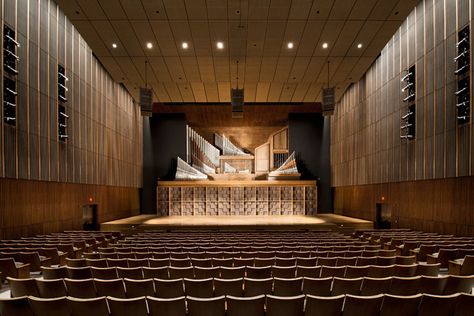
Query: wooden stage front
[[284, 222]]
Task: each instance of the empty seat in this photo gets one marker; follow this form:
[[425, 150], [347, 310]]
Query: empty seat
[[284, 271], [98, 263], [130, 273], [206, 272], [169, 288], [428, 269], [258, 272], [175, 306], [405, 286], [331, 262], [143, 262], [465, 305], [51, 288], [254, 287], [443, 256], [232, 272], [356, 271], [233, 287], [198, 287], [366, 261], [159, 273], [181, 263], [374, 286], [327, 271], [83, 288], [465, 267], [346, 261], [310, 272], [104, 273], [123, 262], [49, 306], [285, 262], [393, 304], [96, 306], [181, 272], [264, 262], [22, 287], [437, 305], [112, 288], [206, 263], [405, 260], [459, 284], [239, 262], [284, 306], [346, 286], [405, 270], [385, 261], [76, 262], [51, 273], [214, 306], [17, 306], [138, 288], [127, 306], [222, 262], [245, 306], [381, 271], [317, 286], [158, 263], [433, 285], [328, 306], [79, 273], [308, 261], [287, 287], [10, 268], [362, 305]]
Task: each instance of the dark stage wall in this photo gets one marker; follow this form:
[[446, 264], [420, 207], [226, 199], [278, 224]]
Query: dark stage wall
[[164, 139], [309, 138]]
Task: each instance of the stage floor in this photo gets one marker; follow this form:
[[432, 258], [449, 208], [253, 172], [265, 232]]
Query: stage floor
[[318, 222]]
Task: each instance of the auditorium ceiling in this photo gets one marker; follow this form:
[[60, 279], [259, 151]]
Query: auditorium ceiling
[[255, 35]]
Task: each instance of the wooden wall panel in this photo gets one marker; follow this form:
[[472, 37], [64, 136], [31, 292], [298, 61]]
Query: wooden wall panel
[[365, 142]]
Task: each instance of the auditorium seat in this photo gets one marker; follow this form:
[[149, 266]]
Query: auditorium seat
[[18, 306], [356, 271], [51, 273], [137, 288], [10, 268], [180, 262], [465, 305], [433, 285], [114, 288], [127, 306], [79, 273], [133, 263], [310, 271], [346, 286], [254, 287], [198, 287], [317, 286], [393, 305], [327, 306], [98, 263], [366, 261], [245, 306], [112, 263], [287, 286], [175, 306], [239, 262], [169, 288], [327, 261], [428, 269], [96, 306], [327, 271], [223, 262], [405, 260], [385, 261], [405, 270], [91, 255], [22, 287], [57, 257], [306, 261], [84, 288], [51, 288], [104, 273], [374, 286], [206, 272], [435, 305], [285, 262], [159, 273], [362, 305], [285, 306], [76, 263], [131, 273], [463, 266], [233, 287], [214, 306], [181, 272], [58, 306], [125, 255], [405, 285], [459, 284], [201, 263], [258, 272], [346, 261], [158, 263], [284, 271], [232, 272]]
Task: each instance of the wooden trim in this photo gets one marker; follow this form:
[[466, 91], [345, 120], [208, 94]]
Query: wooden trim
[[237, 183]]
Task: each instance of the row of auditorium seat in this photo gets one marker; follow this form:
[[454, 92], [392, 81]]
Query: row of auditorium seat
[[169, 272], [262, 305], [210, 287]]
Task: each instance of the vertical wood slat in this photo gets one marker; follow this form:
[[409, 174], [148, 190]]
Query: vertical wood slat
[[442, 148]]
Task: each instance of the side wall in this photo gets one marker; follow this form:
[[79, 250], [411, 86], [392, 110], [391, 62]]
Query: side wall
[[369, 159], [103, 151]]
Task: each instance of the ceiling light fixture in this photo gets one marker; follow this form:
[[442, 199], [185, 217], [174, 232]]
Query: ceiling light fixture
[[359, 45], [325, 45], [184, 45], [149, 45], [290, 45], [114, 45], [220, 45]]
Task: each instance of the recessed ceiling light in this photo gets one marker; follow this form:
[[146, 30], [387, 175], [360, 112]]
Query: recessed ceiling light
[[220, 45], [325, 45], [184, 45], [290, 45], [114, 45], [359, 45], [149, 45]]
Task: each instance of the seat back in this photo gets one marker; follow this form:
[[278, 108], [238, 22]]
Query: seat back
[[362, 305], [287, 286], [374, 286], [51, 288], [214, 306], [166, 306], [346, 286], [329, 306], [22, 287], [233, 287], [17, 306], [127, 306], [49, 306], [245, 306], [96, 306], [254, 287], [317, 286], [114, 288], [200, 288], [138, 288], [84, 288], [169, 288], [283, 306], [392, 303], [437, 305]]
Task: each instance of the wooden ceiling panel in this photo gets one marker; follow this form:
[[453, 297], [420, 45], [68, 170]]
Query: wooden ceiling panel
[[255, 33]]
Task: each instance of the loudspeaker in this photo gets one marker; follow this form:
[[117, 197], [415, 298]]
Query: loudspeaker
[[237, 102], [146, 101]]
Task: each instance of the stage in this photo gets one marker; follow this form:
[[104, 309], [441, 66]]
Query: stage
[[283, 222]]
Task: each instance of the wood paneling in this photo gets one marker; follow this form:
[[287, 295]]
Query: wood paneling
[[104, 126], [41, 207], [441, 205], [365, 136]]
